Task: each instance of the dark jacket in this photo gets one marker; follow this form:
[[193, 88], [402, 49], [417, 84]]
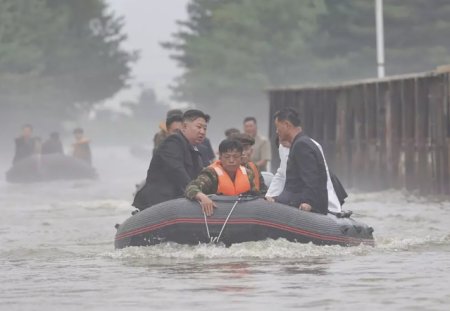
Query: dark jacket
[[206, 152], [24, 148], [306, 176], [52, 146], [174, 164]]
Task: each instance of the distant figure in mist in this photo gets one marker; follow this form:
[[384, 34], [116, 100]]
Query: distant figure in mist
[[261, 149], [53, 145], [25, 144], [163, 130], [81, 147]]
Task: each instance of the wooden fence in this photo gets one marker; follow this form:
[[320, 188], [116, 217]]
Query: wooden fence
[[378, 134]]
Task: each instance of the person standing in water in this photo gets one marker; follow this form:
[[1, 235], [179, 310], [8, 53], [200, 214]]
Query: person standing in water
[[81, 146], [52, 145], [25, 144]]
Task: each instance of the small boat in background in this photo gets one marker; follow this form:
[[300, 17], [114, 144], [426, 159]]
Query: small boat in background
[[49, 167]]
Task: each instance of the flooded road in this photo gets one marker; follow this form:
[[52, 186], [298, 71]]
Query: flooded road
[[57, 253]]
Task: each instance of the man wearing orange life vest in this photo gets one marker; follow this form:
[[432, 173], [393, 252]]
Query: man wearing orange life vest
[[247, 142], [226, 176]]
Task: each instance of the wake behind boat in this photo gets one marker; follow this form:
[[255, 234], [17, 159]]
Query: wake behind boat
[[250, 219]]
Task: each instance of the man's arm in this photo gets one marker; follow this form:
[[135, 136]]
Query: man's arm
[[309, 171], [198, 189], [262, 184], [278, 181], [206, 183]]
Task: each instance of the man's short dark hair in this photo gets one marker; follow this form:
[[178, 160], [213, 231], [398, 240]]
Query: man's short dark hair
[[231, 131], [78, 130], [244, 139], [227, 145], [253, 119], [27, 126], [194, 114], [288, 114], [172, 119], [173, 112]]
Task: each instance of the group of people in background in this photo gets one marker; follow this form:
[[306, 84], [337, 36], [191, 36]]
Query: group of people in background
[[27, 145], [184, 164]]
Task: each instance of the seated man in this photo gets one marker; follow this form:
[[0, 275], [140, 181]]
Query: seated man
[[53, 145], [81, 146], [25, 144], [247, 142], [306, 172], [226, 176]]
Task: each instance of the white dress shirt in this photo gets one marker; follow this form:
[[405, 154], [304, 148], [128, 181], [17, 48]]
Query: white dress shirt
[[278, 181]]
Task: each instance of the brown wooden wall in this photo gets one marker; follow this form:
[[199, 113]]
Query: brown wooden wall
[[378, 134]]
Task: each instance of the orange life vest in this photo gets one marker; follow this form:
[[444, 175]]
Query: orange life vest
[[255, 173], [226, 186]]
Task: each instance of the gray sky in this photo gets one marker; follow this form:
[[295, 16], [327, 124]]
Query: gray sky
[[147, 23]]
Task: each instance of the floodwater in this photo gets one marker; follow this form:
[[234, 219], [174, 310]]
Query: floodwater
[[57, 253]]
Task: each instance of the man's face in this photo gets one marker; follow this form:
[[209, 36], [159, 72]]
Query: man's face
[[27, 132], [231, 160], [250, 128], [246, 154], [282, 130], [195, 131], [78, 136], [174, 126]]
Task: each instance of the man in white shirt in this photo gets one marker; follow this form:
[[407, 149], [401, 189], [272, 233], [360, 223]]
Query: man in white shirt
[[278, 181]]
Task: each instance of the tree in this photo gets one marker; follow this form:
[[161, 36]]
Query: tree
[[232, 50], [59, 57]]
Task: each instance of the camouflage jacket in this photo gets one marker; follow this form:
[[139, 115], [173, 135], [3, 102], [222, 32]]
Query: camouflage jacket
[[262, 186], [208, 182]]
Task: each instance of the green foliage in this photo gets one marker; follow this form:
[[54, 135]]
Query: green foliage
[[235, 48], [59, 57], [232, 49]]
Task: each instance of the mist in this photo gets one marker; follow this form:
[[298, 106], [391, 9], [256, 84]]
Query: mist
[[116, 67]]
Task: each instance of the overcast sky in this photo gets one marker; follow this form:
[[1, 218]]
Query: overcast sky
[[147, 23]]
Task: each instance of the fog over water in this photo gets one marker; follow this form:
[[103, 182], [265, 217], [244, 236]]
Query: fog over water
[[57, 253], [57, 238]]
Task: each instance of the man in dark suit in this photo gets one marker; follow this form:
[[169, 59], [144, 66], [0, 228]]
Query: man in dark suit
[[306, 175], [175, 163], [25, 144]]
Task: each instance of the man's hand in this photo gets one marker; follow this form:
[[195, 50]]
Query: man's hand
[[206, 203], [305, 207], [270, 199]]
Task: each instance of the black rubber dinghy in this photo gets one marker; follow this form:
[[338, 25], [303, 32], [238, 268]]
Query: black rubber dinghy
[[183, 222], [49, 167]]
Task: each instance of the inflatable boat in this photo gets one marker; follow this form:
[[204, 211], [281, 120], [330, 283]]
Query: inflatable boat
[[49, 167], [237, 220]]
